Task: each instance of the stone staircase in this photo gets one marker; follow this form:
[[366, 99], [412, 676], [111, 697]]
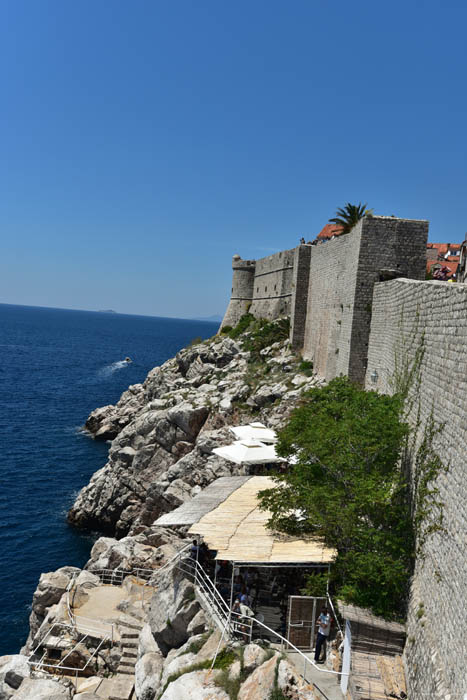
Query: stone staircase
[[129, 644]]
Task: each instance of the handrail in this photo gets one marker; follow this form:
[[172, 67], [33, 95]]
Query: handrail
[[241, 619], [320, 691], [332, 608], [172, 560], [289, 643]]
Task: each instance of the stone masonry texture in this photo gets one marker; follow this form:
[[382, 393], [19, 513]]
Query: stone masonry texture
[[342, 275], [299, 304], [261, 287], [405, 311], [243, 277], [272, 288], [350, 322]]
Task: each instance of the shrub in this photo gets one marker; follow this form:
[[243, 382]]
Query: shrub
[[265, 333], [226, 329], [306, 367], [195, 341], [351, 489], [241, 326]]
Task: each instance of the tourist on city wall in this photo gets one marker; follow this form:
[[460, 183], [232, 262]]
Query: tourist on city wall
[[324, 627]]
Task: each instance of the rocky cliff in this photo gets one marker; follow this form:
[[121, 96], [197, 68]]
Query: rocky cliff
[[163, 431], [162, 434]]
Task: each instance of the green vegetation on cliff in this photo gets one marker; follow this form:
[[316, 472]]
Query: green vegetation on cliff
[[348, 487]]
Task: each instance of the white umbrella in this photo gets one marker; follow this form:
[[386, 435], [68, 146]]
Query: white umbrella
[[248, 452], [255, 431]]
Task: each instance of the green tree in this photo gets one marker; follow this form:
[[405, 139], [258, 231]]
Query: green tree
[[349, 215], [349, 488]]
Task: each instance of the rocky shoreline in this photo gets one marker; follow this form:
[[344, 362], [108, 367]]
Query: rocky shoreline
[[162, 435]]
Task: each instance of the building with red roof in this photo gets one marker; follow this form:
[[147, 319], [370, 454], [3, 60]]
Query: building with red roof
[[442, 255], [329, 231]]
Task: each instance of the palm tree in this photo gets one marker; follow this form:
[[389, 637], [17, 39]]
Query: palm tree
[[349, 216]]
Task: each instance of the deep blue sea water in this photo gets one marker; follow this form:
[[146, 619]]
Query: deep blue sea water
[[55, 367]]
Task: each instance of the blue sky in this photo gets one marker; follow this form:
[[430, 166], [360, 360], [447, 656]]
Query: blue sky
[[144, 143]]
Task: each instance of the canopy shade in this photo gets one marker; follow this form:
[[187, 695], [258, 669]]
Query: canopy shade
[[236, 528], [248, 452], [256, 431], [193, 510]]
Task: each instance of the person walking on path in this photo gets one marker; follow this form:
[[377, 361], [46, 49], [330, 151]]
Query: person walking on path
[[324, 627]]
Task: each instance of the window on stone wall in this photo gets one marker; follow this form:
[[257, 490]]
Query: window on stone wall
[[265, 289]]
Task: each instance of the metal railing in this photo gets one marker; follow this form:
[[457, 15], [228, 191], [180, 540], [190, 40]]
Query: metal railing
[[59, 667], [87, 625], [231, 623], [115, 577], [81, 628]]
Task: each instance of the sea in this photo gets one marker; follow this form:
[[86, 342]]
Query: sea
[[56, 366]]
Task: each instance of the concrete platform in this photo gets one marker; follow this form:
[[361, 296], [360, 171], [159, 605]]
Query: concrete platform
[[99, 611], [327, 682], [116, 688]]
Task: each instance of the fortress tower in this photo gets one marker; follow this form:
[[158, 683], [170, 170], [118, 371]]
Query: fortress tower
[[243, 278]]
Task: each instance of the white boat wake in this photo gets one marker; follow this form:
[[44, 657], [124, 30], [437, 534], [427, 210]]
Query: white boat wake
[[114, 367]]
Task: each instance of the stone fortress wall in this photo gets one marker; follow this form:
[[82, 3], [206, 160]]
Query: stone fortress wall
[[404, 311], [342, 276], [352, 301], [326, 289], [264, 287], [272, 287], [243, 279]]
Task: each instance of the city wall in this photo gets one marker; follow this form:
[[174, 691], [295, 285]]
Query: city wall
[[272, 286], [356, 303], [406, 313], [342, 276], [262, 287]]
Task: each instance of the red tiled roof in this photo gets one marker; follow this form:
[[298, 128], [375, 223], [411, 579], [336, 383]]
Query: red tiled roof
[[452, 265], [330, 230], [443, 248]]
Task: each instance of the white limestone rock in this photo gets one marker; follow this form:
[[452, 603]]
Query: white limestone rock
[[266, 394], [260, 683], [253, 656], [127, 553], [198, 624], [42, 689], [197, 685], [148, 676], [146, 642], [188, 418], [172, 609], [176, 665], [13, 670]]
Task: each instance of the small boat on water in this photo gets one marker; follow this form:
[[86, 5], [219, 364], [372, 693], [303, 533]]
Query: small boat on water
[[128, 359]]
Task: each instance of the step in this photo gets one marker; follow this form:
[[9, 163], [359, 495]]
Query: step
[[127, 635], [129, 655], [130, 625], [116, 688], [129, 645]]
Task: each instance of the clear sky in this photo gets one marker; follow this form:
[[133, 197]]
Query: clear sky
[[144, 143]]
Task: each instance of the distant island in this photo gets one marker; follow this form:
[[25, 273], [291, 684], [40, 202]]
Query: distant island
[[106, 311], [212, 319]]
